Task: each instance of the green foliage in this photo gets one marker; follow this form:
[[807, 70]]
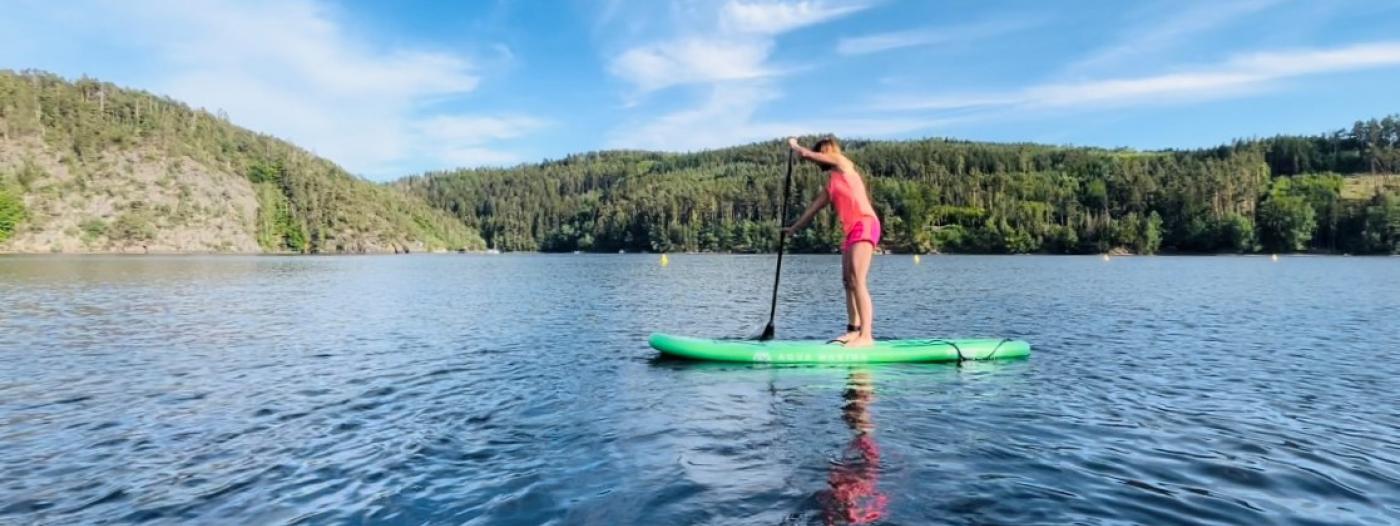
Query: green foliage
[[12, 213], [1236, 234], [1381, 228], [1322, 192], [132, 226], [951, 238], [265, 172], [1095, 194], [931, 195], [278, 230], [1151, 238], [29, 172], [1001, 198], [93, 228], [1286, 223], [1141, 235], [1368, 146]]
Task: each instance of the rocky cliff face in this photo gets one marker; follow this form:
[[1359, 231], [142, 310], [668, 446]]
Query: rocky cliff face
[[131, 201], [90, 167]]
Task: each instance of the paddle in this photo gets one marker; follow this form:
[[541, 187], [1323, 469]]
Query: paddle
[[768, 331]]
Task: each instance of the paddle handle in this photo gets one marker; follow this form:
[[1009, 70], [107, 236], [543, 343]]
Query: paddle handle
[[768, 331]]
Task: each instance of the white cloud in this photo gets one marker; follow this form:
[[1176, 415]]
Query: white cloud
[[1304, 62], [477, 130], [771, 18], [473, 157], [1168, 25], [724, 51], [734, 43], [1239, 75], [1156, 89], [692, 60], [945, 101], [714, 122], [728, 116], [288, 68], [462, 141], [887, 41], [931, 36]]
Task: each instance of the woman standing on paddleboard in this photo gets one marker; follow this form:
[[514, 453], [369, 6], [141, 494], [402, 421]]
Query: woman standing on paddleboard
[[845, 191]]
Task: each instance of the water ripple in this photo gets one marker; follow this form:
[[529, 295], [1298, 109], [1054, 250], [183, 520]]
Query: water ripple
[[518, 390]]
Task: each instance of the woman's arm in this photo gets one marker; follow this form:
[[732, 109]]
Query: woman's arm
[[817, 204], [809, 154]]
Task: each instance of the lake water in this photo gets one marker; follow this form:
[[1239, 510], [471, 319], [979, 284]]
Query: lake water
[[519, 390]]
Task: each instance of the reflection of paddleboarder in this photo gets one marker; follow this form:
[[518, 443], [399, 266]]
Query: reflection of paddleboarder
[[855, 497]]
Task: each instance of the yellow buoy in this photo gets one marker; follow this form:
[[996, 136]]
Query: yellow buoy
[[664, 260], [916, 259]]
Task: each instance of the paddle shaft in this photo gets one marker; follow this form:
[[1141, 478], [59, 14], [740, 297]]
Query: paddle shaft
[[768, 331]]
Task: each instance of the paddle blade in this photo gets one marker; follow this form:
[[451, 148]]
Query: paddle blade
[[767, 333]]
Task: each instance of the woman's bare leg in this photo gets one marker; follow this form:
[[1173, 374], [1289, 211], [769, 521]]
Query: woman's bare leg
[[847, 283], [860, 254]]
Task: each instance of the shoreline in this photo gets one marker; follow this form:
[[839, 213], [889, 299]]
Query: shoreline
[[4, 253]]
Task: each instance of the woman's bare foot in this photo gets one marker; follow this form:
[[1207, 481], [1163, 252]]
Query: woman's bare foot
[[845, 337], [861, 341]]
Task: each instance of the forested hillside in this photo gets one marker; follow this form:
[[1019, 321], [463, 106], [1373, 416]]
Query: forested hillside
[[86, 166], [1332, 192]]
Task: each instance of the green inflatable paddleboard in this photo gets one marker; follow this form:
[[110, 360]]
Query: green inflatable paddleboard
[[816, 352]]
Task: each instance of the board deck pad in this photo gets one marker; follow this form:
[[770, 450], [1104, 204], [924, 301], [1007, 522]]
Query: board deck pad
[[816, 351]]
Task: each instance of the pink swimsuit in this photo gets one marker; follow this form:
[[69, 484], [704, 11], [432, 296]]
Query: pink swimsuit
[[858, 220]]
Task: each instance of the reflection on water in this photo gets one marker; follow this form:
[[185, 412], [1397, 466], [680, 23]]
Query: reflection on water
[[519, 390], [855, 496]]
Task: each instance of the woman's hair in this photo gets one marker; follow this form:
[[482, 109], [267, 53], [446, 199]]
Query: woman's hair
[[829, 146]]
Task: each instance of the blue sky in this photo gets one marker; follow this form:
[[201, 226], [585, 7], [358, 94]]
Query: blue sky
[[393, 88]]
